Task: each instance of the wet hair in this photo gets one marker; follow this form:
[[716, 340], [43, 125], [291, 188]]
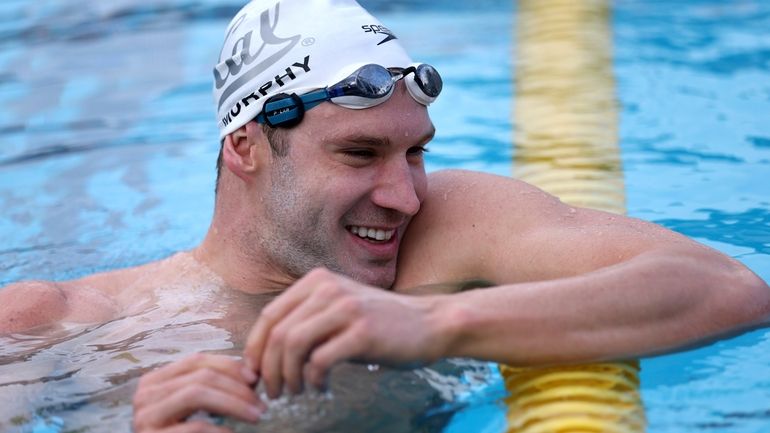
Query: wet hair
[[279, 146]]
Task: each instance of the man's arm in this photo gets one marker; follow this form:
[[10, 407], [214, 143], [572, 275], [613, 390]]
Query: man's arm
[[577, 284]]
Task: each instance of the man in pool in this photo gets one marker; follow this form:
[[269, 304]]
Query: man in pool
[[322, 194]]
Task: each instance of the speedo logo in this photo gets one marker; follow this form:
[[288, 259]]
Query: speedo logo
[[244, 55], [378, 29], [279, 81]]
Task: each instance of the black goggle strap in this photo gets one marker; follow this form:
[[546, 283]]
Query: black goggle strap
[[287, 110], [416, 71], [408, 70]]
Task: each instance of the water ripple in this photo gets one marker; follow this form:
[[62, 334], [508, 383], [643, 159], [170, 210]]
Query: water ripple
[[53, 21], [749, 229]]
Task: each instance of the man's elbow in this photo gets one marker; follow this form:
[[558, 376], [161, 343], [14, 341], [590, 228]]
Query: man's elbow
[[750, 303]]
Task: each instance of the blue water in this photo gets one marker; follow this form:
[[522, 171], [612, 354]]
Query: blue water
[[108, 142], [694, 83]]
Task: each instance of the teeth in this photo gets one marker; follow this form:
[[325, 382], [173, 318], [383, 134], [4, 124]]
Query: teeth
[[370, 233]]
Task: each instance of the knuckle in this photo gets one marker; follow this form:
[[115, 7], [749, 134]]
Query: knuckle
[[269, 313], [277, 336], [350, 306], [205, 375], [197, 358], [193, 392], [139, 397], [319, 272], [328, 290], [362, 337], [144, 381], [294, 340], [146, 396], [363, 326], [318, 363]]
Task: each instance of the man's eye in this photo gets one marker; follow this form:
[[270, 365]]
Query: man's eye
[[417, 150], [360, 153]]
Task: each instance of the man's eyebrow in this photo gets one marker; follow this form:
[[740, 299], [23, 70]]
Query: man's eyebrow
[[369, 140]]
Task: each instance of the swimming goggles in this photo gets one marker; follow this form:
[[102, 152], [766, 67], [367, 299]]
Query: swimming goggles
[[368, 86]]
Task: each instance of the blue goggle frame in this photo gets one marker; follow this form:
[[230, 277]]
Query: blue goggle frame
[[368, 86]]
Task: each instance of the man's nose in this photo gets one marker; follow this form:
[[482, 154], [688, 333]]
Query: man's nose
[[396, 189]]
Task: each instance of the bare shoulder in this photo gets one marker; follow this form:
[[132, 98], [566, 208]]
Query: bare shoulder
[[458, 192], [461, 221], [94, 298], [467, 202], [475, 225], [30, 304]]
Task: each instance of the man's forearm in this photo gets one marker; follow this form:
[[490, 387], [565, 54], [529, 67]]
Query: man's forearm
[[653, 303]]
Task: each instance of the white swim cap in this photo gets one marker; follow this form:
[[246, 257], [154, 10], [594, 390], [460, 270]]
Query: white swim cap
[[294, 46]]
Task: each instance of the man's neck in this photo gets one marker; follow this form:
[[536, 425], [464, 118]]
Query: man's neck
[[247, 272]]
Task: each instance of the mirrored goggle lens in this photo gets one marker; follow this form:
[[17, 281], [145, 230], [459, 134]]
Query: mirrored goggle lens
[[369, 81], [374, 80], [429, 80]]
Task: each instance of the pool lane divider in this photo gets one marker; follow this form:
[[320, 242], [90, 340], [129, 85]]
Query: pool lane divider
[[565, 142]]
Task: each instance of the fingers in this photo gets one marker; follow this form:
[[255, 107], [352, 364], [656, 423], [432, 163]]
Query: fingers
[[273, 313], [283, 334], [293, 340], [184, 401], [211, 379], [350, 344], [212, 383], [229, 366], [195, 427], [324, 319]]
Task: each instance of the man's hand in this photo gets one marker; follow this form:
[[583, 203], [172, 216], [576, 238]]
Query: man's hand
[[213, 383], [325, 318]]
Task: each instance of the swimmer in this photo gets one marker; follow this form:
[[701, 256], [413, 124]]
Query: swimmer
[[322, 196]]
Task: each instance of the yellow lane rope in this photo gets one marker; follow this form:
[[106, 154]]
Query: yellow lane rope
[[565, 107], [565, 118]]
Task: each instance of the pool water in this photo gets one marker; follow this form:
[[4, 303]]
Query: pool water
[[694, 84], [107, 150]]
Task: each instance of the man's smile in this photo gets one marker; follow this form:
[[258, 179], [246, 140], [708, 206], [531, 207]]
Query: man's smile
[[380, 243], [371, 233]]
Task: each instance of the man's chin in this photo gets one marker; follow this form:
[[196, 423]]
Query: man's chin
[[382, 277]]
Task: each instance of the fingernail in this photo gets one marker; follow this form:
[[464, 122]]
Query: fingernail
[[261, 405], [256, 412], [248, 374], [273, 394]]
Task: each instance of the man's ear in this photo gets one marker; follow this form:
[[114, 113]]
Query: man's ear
[[241, 151]]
